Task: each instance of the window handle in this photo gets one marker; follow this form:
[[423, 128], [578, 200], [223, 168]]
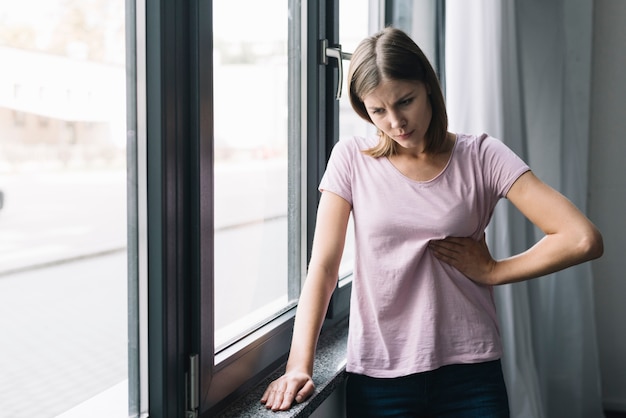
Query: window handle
[[335, 52]]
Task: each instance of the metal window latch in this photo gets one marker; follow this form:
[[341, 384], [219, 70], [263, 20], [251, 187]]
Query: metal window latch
[[193, 387], [334, 52]]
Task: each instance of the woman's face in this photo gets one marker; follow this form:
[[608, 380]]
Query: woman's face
[[401, 109]]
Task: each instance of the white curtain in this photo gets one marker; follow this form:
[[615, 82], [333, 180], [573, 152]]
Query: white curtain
[[520, 70]]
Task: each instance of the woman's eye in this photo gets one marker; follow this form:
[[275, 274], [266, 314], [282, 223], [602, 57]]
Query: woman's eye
[[406, 101]]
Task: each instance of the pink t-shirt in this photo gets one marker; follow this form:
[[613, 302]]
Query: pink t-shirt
[[410, 312]]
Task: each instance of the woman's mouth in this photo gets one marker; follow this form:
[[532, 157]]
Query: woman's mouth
[[404, 136]]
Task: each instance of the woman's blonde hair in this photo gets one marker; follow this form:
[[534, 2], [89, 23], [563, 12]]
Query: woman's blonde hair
[[392, 55]]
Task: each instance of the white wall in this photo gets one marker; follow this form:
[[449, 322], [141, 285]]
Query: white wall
[[607, 191]]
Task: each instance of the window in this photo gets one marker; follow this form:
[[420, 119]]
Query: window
[[253, 147], [258, 151], [275, 92], [63, 216]]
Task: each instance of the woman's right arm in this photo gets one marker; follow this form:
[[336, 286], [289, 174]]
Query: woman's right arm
[[330, 232]]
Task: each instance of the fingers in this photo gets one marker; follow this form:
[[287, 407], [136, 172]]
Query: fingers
[[276, 396], [470, 257], [460, 253], [281, 393], [450, 243], [305, 392], [278, 400], [446, 249], [266, 395]]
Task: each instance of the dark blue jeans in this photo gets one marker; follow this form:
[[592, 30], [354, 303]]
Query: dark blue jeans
[[455, 391]]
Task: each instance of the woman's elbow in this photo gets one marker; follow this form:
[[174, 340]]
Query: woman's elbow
[[591, 246]]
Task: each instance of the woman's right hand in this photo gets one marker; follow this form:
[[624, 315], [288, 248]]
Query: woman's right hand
[[282, 392], [296, 384]]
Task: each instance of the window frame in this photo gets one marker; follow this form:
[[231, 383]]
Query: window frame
[[178, 70], [265, 349], [167, 97]]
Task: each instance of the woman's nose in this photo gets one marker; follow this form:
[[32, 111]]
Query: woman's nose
[[396, 120]]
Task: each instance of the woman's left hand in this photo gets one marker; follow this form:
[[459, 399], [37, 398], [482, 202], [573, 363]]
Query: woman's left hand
[[467, 255]]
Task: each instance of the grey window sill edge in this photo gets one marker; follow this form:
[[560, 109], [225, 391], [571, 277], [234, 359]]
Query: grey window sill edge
[[328, 374]]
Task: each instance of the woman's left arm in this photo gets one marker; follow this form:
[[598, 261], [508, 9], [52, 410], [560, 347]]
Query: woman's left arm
[[570, 239]]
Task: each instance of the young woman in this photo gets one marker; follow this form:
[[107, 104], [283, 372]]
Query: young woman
[[423, 337]]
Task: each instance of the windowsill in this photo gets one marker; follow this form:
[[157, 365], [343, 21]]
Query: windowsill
[[328, 374]]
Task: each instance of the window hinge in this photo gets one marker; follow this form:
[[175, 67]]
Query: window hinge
[[192, 387]]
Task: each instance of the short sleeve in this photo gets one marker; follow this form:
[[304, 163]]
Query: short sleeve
[[501, 166], [337, 177]]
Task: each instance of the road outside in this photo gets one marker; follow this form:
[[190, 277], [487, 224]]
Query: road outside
[[54, 216]]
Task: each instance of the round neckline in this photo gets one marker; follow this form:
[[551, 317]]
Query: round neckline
[[437, 176]]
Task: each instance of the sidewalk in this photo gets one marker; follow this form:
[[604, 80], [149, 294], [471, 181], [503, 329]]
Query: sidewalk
[[64, 336]]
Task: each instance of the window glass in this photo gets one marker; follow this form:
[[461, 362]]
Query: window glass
[[354, 25], [252, 153], [63, 265], [418, 18]]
